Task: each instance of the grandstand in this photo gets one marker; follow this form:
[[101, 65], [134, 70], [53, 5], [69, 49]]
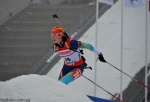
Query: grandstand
[[25, 37]]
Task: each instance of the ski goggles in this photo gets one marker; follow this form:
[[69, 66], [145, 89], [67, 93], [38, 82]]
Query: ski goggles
[[53, 35]]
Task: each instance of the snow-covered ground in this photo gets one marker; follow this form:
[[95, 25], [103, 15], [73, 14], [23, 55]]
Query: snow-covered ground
[[109, 43], [36, 88]]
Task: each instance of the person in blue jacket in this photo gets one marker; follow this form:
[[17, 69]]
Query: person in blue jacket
[[69, 49]]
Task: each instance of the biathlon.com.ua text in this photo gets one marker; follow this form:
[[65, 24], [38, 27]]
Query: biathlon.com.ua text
[[13, 100]]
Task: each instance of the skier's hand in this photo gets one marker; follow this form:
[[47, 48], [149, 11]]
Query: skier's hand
[[101, 58]]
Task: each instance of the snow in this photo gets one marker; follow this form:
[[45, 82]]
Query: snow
[[36, 88], [109, 43]]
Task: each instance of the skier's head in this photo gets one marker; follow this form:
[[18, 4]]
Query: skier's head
[[57, 33]]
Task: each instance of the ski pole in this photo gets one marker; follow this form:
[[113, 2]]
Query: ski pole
[[56, 18], [129, 76], [103, 89]]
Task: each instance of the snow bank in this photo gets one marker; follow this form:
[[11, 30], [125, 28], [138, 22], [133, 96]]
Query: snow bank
[[36, 88]]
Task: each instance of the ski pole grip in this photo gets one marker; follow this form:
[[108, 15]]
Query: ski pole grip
[[55, 16]]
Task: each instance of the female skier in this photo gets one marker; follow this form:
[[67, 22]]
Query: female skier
[[68, 49]]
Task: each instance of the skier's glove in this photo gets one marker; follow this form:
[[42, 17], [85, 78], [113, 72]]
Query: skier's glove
[[101, 58]]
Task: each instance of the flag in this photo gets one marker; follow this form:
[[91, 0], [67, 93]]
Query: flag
[[133, 3], [109, 2]]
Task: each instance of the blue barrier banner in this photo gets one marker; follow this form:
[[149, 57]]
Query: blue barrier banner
[[96, 99]]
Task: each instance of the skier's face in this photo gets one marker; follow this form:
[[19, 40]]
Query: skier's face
[[56, 38]]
